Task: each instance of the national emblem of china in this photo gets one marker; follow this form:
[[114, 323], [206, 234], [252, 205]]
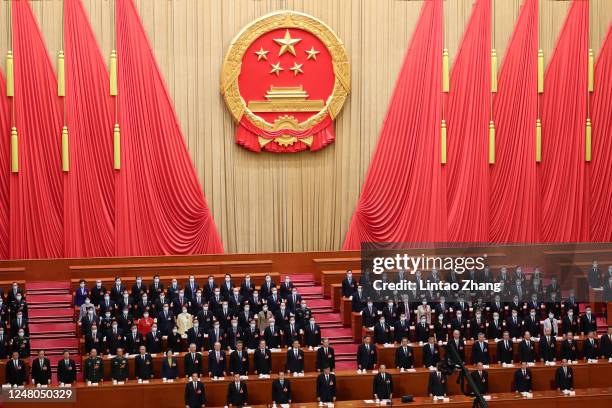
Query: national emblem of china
[[285, 78]]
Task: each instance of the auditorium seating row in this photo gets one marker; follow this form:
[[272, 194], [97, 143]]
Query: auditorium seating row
[[350, 386]]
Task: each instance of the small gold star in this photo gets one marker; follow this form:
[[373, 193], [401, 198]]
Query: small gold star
[[287, 44], [296, 68], [312, 53], [262, 54], [276, 68]]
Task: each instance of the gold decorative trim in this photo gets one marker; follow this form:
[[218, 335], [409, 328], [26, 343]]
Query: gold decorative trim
[[232, 65]]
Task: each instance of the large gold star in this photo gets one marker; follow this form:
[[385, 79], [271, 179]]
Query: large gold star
[[276, 68], [312, 53], [296, 68], [262, 54], [287, 44]]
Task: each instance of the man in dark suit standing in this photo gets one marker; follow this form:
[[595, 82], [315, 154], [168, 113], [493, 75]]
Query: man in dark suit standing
[[216, 362], [262, 359], [588, 322], [431, 353], [480, 350], [237, 393], [326, 386], [505, 352], [41, 370], [239, 360], [193, 361], [590, 348], [325, 357], [312, 334], [382, 385], [522, 379], [295, 359], [349, 284], [403, 356], [569, 349], [15, 370], [437, 386], [281, 390], [527, 349], [144, 365], [564, 377], [194, 393], [606, 344], [458, 344], [548, 346], [366, 354], [66, 369], [481, 378]]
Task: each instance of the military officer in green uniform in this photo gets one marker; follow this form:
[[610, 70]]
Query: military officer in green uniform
[[94, 367], [21, 344], [119, 366]]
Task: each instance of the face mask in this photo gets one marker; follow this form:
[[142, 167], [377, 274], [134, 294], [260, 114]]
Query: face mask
[[134, 331], [82, 285], [369, 305], [252, 326], [139, 281], [173, 331], [440, 317], [165, 309], [550, 316], [146, 315], [20, 334], [18, 297], [532, 314], [227, 279], [234, 324], [115, 327], [184, 310]]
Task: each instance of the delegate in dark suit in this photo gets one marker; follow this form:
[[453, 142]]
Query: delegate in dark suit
[[326, 387], [437, 385], [480, 353], [193, 363], [522, 380], [66, 371], [41, 371], [564, 378], [404, 357], [144, 366], [281, 391], [262, 361], [548, 346], [482, 381], [366, 356], [431, 355], [326, 357], [194, 394], [216, 363], [237, 394], [505, 352], [239, 362], [169, 368], [382, 386], [295, 361], [15, 372]]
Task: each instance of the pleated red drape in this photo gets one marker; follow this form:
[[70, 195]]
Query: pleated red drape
[[513, 179], [468, 113], [403, 197], [89, 192], [5, 126], [563, 172], [161, 208], [600, 171], [36, 192]]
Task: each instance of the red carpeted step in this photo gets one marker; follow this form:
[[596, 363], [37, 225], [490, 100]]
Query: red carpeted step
[[55, 345], [320, 304], [346, 365], [51, 313], [64, 299], [337, 333], [42, 329], [51, 286], [315, 290], [327, 318], [349, 349]]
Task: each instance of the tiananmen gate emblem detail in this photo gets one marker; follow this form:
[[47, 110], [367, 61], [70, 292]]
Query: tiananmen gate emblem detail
[[285, 78]]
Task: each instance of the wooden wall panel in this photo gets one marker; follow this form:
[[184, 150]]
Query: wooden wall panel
[[265, 202]]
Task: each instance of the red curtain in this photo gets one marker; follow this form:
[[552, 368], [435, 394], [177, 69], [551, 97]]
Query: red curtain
[[161, 208], [513, 192], [563, 172], [36, 192], [5, 128], [403, 197], [89, 192], [601, 165], [469, 106]]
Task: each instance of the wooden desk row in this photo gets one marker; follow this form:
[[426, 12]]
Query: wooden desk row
[[350, 387]]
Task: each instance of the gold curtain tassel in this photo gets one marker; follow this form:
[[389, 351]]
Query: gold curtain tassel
[[443, 142], [491, 142], [14, 151], [61, 84], [445, 78], [540, 71], [587, 144], [117, 147], [493, 70], [65, 150], [591, 70], [10, 78], [113, 73], [538, 141]]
